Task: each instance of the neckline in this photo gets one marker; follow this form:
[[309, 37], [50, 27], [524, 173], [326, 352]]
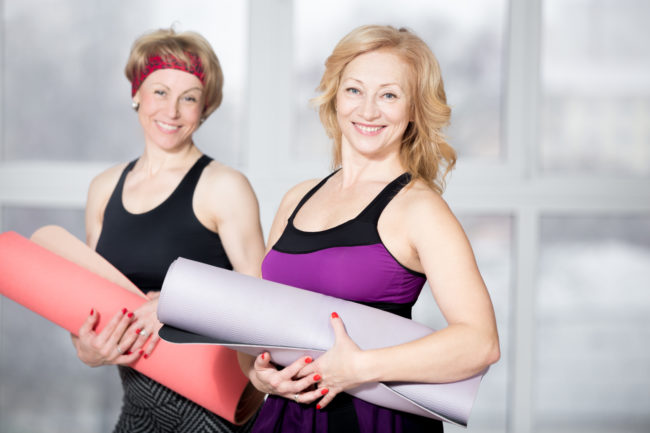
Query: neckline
[[162, 203], [365, 210]]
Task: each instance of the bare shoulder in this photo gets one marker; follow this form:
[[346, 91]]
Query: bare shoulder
[[287, 205], [424, 210], [225, 178], [294, 195], [420, 200], [99, 192], [104, 183]]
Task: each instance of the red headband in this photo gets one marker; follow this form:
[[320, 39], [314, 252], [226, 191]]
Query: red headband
[[169, 62]]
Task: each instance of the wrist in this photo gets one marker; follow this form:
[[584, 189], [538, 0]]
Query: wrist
[[365, 368]]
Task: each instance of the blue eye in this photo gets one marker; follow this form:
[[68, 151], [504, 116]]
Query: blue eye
[[190, 99], [159, 92], [390, 96], [352, 90]]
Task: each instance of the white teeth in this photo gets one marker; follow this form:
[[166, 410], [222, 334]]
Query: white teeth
[[167, 126], [368, 128]]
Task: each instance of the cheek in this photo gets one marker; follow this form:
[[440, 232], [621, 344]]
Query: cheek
[[399, 115], [147, 105], [344, 106], [192, 114]]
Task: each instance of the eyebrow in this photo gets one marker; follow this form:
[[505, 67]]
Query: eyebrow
[[188, 90], [381, 85]]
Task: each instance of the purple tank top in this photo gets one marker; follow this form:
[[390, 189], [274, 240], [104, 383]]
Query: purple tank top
[[348, 261]]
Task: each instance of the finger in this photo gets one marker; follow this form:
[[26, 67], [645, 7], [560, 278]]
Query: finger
[[327, 397], [110, 327], [292, 369], [338, 326], [128, 341], [262, 361], [132, 337], [119, 330], [138, 329], [311, 396], [128, 357], [151, 346], [307, 382], [89, 324]]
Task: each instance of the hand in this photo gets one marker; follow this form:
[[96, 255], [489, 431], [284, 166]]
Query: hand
[[337, 367], [113, 345], [268, 379], [147, 325]]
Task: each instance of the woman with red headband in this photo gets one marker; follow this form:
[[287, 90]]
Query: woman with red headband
[[172, 201]]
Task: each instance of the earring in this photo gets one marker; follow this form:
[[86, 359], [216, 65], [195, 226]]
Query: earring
[[135, 105]]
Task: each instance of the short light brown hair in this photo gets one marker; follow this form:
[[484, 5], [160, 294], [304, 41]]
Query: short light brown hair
[[424, 152], [165, 43]]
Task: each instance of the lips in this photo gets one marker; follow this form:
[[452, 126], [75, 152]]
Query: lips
[[368, 129], [167, 127]]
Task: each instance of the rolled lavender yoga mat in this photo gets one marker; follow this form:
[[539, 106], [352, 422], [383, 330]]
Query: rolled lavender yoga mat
[[203, 304]]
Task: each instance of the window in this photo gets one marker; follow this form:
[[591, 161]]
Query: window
[[466, 36]]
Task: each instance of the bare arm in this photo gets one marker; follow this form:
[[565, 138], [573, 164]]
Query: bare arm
[[236, 213], [470, 342], [99, 192], [437, 245], [95, 349]]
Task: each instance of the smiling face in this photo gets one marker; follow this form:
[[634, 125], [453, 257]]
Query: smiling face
[[373, 104], [171, 105]]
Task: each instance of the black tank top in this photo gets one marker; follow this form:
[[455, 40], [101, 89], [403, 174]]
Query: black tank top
[[142, 246]]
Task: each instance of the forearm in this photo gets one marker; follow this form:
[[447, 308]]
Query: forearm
[[454, 353]]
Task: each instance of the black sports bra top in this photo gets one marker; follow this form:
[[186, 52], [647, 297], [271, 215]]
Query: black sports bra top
[[142, 246]]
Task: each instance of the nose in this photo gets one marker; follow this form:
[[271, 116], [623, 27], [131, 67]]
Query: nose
[[172, 108], [369, 108]]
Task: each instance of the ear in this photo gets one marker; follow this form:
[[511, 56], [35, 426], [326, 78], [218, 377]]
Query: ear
[[135, 101]]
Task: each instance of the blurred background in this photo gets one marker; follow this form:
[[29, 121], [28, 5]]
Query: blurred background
[[551, 119]]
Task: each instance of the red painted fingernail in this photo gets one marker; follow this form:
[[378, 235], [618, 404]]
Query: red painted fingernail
[[324, 391], [146, 356], [130, 315], [129, 352], [262, 356], [137, 331], [92, 310], [316, 377], [124, 310], [318, 406], [334, 315], [141, 351], [307, 360]]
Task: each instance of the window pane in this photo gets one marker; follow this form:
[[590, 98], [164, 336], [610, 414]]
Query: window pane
[[593, 324], [465, 35], [491, 240], [43, 385], [595, 87], [65, 93]]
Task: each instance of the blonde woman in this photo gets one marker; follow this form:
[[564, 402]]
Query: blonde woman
[[373, 232]]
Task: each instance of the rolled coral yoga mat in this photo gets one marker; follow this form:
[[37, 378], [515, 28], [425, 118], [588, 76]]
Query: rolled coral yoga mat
[[63, 291], [203, 304]]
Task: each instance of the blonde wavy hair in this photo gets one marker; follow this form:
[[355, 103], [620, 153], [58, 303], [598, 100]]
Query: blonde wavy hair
[[424, 152], [167, 42]]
